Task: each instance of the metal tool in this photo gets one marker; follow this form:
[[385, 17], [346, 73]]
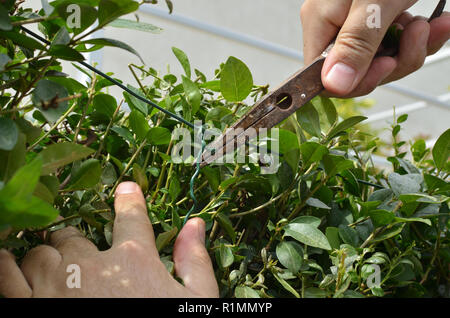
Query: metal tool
[[275, 107]]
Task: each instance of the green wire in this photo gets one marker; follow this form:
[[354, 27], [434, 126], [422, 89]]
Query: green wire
[[194, 177]]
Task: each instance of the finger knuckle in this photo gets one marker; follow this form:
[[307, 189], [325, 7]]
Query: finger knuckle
[[305, 10], [356, 45], [131, 248]]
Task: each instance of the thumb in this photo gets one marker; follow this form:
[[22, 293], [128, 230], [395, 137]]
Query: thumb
[[356, 45], [192, 262]]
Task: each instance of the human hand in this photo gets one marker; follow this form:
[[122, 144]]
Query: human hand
[[130, 268], [350, 69]]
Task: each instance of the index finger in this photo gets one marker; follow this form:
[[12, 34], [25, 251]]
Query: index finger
[[131, 223], [321, 24]]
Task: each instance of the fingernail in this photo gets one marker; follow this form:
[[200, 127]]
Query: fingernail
[[127, 188], [341, 78]]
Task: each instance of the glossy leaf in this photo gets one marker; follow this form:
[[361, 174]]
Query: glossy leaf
[[346, 124], [62, 154], [9, 134], [159, 136], [135, 25], [308, 118], [184, 61], [86, 176], [236, 80], [245, 292], [441, 150], [307, 234], [290, 255], [192, 93]]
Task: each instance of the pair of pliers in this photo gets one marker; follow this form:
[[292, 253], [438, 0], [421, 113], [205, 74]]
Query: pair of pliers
[[278, 105]]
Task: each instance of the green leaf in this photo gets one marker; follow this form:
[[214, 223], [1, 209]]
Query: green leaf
[[22, 40], [109, 175], [220, 114], [87, 216], [307, 219], [174, 188], [62, 37], [105, 104], [138, 124], [224, 256], [22, 184], [381, 217], [192, 93], [441, 150], [346, 124], [113, 43], [408, 220], [284, 283], [61, 154], [290, 255], [110, 10], [184, 61], [5, 20], [212, 85], [236, 80], [245, 292], [164, 239], [11, 161], [307, 234], [140, 177], [169, 6], [134, 102], [329, 109], [176, 220], [308, 118], [135, 25], [420, 197], [348, 235], [44, 96], [317, 204], [65, 53], [213, 177], [4, 60], [225, 223], [389, 233], [21, 214], [312, 152], [159, 136], [403, 184], [434, 183], [335, 164], [9, 134], [332, 234], [86, 176], [124, 133], [402, 118], [313, 292]]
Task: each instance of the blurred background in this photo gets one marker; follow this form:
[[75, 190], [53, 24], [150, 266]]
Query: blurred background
[[267, 36]]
